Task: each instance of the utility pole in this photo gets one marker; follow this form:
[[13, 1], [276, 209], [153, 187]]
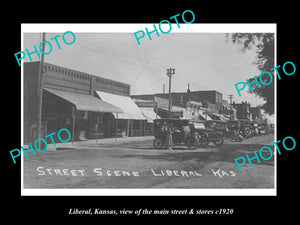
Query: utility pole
[[230, 98], [40, 94], [170, 72], [188, 91]]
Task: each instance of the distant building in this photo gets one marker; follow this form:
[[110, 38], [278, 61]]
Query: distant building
[[161, 105], [210, 99], [256, 113], [242, 110]]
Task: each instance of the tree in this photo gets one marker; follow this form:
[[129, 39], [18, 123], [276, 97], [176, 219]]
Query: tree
[[264, 47]]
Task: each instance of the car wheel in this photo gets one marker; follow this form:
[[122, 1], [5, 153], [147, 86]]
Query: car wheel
[[203, 141], [247, 132], [191, 143], [219, 140], [157, 143]]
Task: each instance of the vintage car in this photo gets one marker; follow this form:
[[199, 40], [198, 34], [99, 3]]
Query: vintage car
[[254, 128], [218, 125], [272, 128], [264, 128], [234, 130], [206, 135], [181, 133], [246, 128], [242, 126]]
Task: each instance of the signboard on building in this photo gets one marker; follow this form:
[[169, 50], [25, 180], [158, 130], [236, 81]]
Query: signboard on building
[[146, 104], [161, 102]]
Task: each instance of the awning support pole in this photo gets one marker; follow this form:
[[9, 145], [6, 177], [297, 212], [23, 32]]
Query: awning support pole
[[116, 128], [97, 129], [73, 128]]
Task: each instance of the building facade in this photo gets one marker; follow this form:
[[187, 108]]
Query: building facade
[[75, 100], [210, 98], [256, 113], [242, 110], [210, 102]]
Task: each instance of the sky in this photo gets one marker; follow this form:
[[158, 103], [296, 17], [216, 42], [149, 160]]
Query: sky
[[207, 61]]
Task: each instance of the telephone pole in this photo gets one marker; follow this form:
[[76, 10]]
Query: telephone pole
[[170, 72], [40, 94], [230, 98]]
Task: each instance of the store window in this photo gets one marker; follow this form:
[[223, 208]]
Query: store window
[[136, 124]]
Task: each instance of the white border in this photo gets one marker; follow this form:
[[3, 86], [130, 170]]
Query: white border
[[149, 192], [125, 28]]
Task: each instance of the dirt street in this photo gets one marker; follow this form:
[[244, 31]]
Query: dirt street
[[138, 165]]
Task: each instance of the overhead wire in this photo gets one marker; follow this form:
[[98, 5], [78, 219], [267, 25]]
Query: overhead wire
[[82, 44], [87, 42], [98, 49], [99, 45]]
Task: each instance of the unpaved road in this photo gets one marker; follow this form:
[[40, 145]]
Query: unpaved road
[[138, 165]]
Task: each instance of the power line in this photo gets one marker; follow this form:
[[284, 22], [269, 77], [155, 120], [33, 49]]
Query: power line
[[119, 51], [137, 57], [97, 44], [98, 48], [113, 57]]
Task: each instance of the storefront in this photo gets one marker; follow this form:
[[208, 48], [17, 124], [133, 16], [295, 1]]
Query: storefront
[[85, 116], [70, 101], [148, 110], [132, 121]]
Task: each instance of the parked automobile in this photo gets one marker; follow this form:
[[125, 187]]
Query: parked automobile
[[218, 125], [181, 133], [254, 128], [272, 128], [234, 130], [207, 134], [245, 128], [264, 128]]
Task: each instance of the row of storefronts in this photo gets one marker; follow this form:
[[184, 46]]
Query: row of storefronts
[[89, 106], [188, 109], [92, 107]]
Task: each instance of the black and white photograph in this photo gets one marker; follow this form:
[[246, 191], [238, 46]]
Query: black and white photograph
[[113, 111], [150, 111]]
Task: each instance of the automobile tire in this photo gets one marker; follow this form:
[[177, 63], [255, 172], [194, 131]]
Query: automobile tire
[[191, 143], [157, 143], [247, 132], [203, 141], [220, 140]]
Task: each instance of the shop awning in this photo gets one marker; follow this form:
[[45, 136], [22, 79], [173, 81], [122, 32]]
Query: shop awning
[[224, 117], [85, 102], [205, 115], [185, 114], [130, 109], [164, 113], [149, 114], [220, 116]]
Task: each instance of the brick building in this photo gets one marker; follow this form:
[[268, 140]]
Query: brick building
[[210, 99], [83, 103], [242, 110]]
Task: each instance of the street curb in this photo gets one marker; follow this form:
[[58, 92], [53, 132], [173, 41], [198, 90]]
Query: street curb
[[92, 143]]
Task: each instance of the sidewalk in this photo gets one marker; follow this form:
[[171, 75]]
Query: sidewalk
[[100, 142]]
